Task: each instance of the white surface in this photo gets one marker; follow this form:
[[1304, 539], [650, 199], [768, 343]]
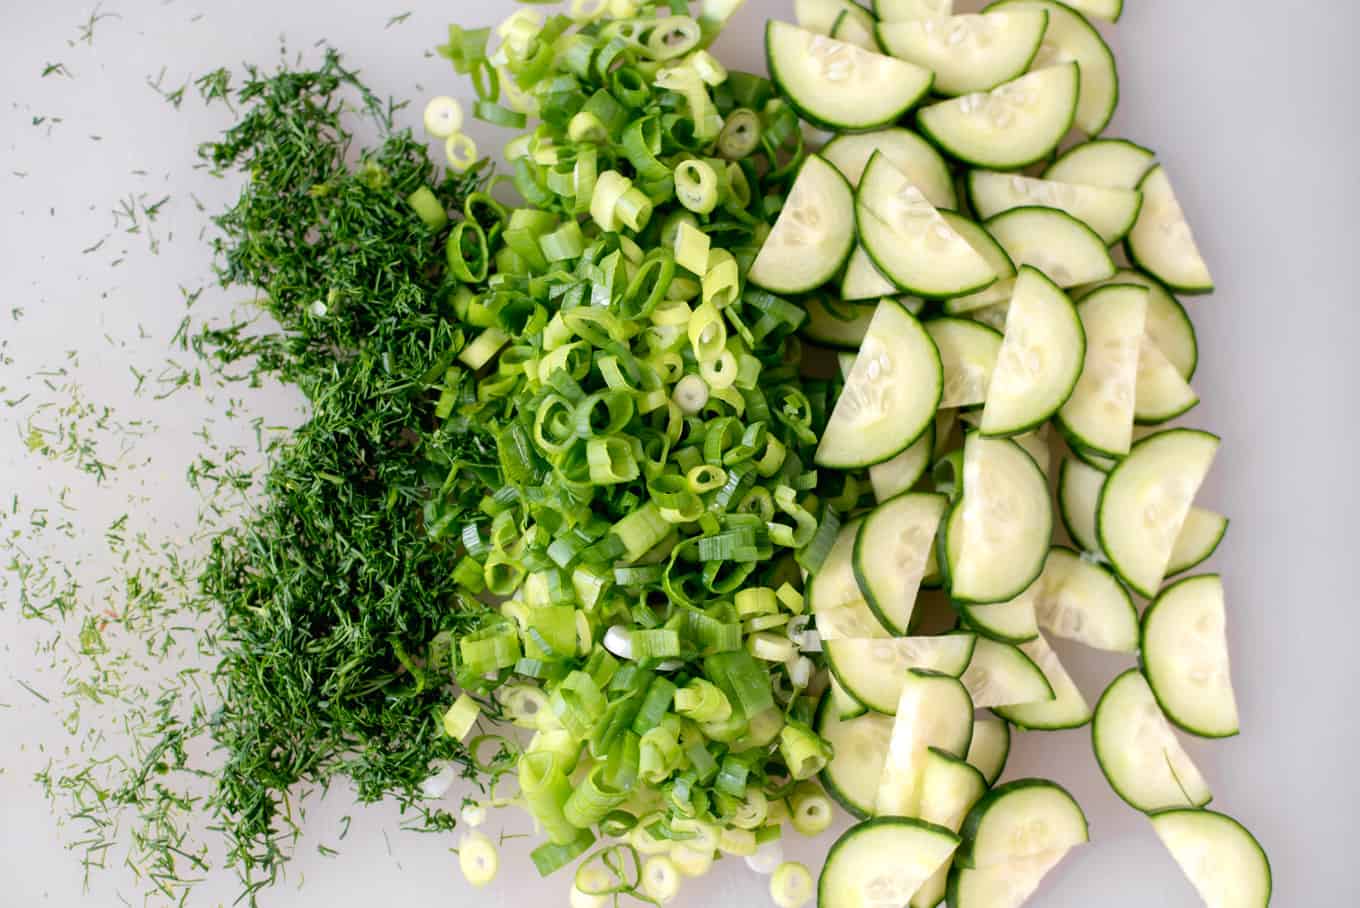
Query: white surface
[[1251, 104]]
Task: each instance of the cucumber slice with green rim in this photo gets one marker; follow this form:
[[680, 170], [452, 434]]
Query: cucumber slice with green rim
[[1098, 417], [1138, 752], [1185, 657], [1109, 212], [1168, 324], [1020, 820], [894, 477], [1109, 10], [1008, 622], [890, 555], [1062, 247], [836, 85], [813, 236], [834, 597], [990, 747], [1115, 163], [1012, 126], [1001, 675], [1004, 886], [1070, 38], [863, 281], [1036, 445], [968, 351], [844, 705], [829, 326], [882, 862], [1160, 393], [852, 29], [1222, 860], [1161, 242], [821, 15], [1068, 709], [1198, 539], [908, 239], [873, 670], [1082, 601], [968, 53], [949, 789], [1005, 524], [1040, 359], [907, 151], [904, 10], [996, 295], [1079, 486], [933, 711], [889, 398], [984, 243], [1145, 501], [859, 746]]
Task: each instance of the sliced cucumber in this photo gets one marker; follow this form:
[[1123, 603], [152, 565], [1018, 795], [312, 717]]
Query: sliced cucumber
[[1109, 212], [882, 862], [813, 236], [1109, 10], [842, 327], [1161, 242], [1098, 417], [836, 85], [908, 239], [1079, 488], [1224, 862], [1070, 38], [1068, 709], [834, 596], [820, 15], [987, 246], [968, 53], [859, 746], [1082, 601], [1005, 525], [1012, 126], [863, 281], [1160, 394], [1062, 247], [993, 316], [853, 28], [903, 10], [1036, 445], [893, 477], [968, 352], [1145, 501], [1138, 751], [949, 789], [1040, 358], [890, 554], [1010, 622], [889, 398], [933, 711], [874, 670], [1185, 657], [1198, 539], [1168, 324], [844, 705], [1004, 886], [990, 747], [1019, 820], [1115, 163], [907, 151], [1001, 675]]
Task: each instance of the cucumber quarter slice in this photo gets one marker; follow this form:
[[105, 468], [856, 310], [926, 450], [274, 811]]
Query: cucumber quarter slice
[[893, 477], [1001, 675], [990, 747], [905, 150], [1161, 242], [1082, 601], [1160, 393], [852, 28], [1223, 861], [813, 236], [890, 396], [983, 242], [1185, 657], [1040, 359], [968, 352], [862, 280], [841, 326], [820, 16], [834, 597], [933, 711], [1138, 751], [997, 294], [904, 10], [949, 789], [1109, 212], [1012, 126], [1020, 820], [1079, 488], [836, 85], [873, 670], [882, 862], [1168, 324], [968, 53], [1015, 621], [1109, 10], [1062, 247], [1145, 501], [860, 746], [1198, 539], [1068, 708], [1098, 417], [844, 705], [1036, 444], [1070, 38], [1004, 886], [1005, 523], [891, 551], [1114, 163], [909, 240]]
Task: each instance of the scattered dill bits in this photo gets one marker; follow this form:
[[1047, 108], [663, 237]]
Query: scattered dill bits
[[398, 19], [56, 69], [173, 97], [85, 34], [215, 86]]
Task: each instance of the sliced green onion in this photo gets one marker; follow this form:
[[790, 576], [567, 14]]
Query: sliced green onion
[[810, 810], [791, 885], [691, 248], [696, 186], [804, 752], [702, 701], [592, 799], [660, 879], [740, 135], [461, 151], [428, 208], [545, 787], [550, 857], [478, 858], [461, 716]]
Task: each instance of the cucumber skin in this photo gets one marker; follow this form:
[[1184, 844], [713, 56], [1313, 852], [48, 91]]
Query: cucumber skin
[[963, 857]]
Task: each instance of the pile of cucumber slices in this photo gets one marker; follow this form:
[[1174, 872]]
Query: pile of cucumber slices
[[1001, 298]]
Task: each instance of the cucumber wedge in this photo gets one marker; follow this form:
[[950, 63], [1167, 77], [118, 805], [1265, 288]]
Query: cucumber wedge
[[1004, 886], [1161, 242], [1082, 601], [1224, 862], [1079, 488], [968, 352], [836, 85], [820, 16], [893, 477], [813, 236], [968, 53], [841, 326], [1001, 675], [834, 597], [1185, 657], [1068, 709], [1019, 820], [1036, 445], [853, 28], [986, 245], [890, 396], [882, 862], [1114, 163], [1109, 212], [1062, 247], [860, 746], [843, 705], [1198, 539], [1168, 324], [990, 747], [949, 789], [873, 670], [905, 150], [890, 555], [1015, 621], [1138, 752], [904, 10], [1160, 393], [997, 294], [1098, 417], [934, 711], [1109, 10], [1012, 126], [863, 281]]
